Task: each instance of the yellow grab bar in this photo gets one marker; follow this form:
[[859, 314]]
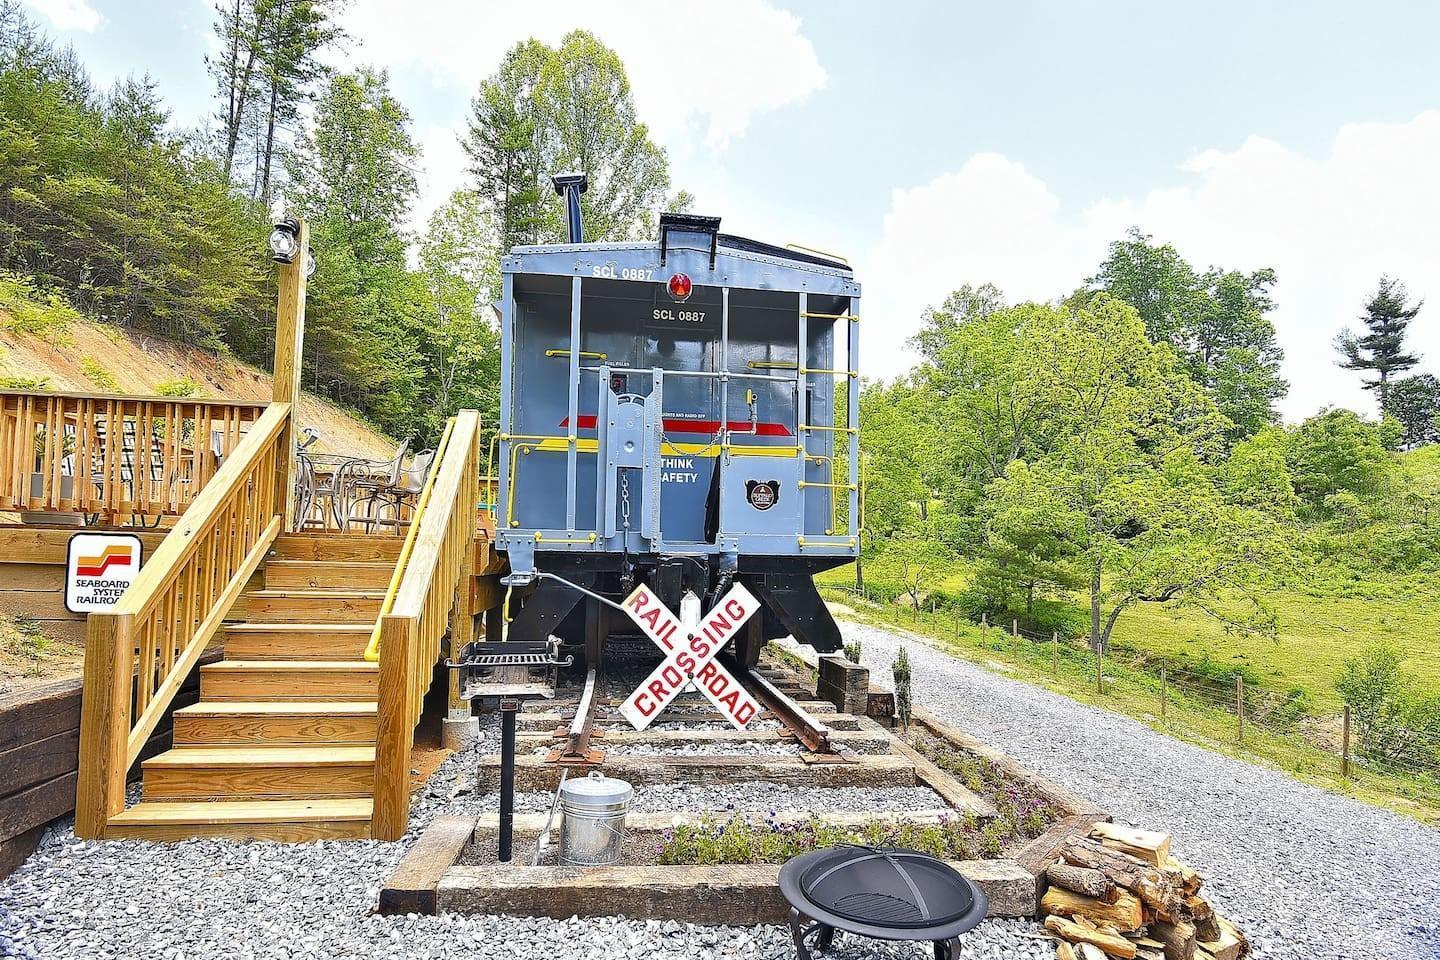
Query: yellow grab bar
[[833, 373], [541, 538], [588, 354], [816, 426], [771, 364], [853, 318], [823, 253], [372, 650]]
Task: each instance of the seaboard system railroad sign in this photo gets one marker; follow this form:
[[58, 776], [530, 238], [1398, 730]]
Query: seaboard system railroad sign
[[690, 643]]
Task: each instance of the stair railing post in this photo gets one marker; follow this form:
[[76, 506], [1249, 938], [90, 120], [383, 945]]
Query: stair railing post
[[289, 350], [391, 812], [104, 723]]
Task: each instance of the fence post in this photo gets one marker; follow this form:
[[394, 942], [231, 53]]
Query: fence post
[[1240, 707], [105, 700], [1163, 681], [1099, 669], [1055, 651], [1014, 638], [1345, 744]]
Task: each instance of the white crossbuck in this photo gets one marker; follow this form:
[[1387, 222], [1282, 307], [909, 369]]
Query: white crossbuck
[[690, 643]]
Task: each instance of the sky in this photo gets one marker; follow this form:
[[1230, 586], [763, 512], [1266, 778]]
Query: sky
[[940, 144]]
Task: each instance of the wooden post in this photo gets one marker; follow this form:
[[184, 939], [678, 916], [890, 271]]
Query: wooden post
[[1240, 708], [289, 351], [1099, 670], [1345, 743], [1163, 681], [104, 723], [1055, 652], [1014, 638], [391, 811]]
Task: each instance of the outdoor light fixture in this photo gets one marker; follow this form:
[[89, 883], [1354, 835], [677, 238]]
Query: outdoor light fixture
[[309, 263], [285, 241]]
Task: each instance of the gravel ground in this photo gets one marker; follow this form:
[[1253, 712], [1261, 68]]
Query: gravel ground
[[1305, 873], [230, 900]]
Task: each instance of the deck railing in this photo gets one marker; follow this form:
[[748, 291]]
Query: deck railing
[[417, 613], [113, 456], [168, 616]]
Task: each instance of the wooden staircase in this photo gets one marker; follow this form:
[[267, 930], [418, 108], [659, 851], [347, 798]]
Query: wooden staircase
[[281, 745]]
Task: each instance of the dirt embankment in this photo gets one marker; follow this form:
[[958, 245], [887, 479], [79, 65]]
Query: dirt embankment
[[140, 363]]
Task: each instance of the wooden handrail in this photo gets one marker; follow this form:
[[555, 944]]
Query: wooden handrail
[[256, 405], [410, 633], [112, 455], [172, 610]]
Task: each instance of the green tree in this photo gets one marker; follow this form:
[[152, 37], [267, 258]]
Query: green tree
[[553, 110], [1414, 402], [1334, 452], [1127, 480], [1215, 321], [353, 179], [461, 347], [1382, 349]]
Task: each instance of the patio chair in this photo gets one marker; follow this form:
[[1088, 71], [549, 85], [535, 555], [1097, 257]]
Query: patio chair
[[382, 501]]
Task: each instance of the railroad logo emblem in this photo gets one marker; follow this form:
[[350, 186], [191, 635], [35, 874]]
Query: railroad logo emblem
[[762, 494], [98, 569], [690, 643]]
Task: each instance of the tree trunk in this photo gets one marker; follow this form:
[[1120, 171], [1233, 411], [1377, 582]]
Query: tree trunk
[[1095, 639]]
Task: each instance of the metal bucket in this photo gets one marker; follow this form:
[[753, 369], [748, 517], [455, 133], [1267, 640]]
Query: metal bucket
[[593, 829]]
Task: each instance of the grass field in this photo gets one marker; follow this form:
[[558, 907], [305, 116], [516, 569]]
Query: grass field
[[1200, 716], [1316, 635]]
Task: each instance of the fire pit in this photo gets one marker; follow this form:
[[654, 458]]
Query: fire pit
[[885, 893]]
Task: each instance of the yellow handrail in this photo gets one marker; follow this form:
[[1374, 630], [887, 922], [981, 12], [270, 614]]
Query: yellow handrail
[[372, 649]]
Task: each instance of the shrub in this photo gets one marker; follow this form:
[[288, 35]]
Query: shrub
[[23, 636], [181, 388], [24, 383], [96, 373], [737, 840], [901, 670], [26, 310], [852, 651], [1392, 721]]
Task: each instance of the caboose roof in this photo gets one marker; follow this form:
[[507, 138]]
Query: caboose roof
[[739, 262]]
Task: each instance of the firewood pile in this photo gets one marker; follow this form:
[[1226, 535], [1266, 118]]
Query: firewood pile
[[1120, 893]]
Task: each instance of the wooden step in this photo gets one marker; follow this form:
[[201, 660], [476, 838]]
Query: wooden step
[[258, 680], [308, 606], [288, 821], [296, 641], [337, 546], [262, 723], [257, 773], [328, 574]]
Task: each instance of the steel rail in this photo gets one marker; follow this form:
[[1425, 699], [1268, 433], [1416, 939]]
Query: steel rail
[[805, 728], [577, 750]]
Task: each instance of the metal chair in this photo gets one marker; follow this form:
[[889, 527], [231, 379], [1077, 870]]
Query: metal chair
[[385, 498]]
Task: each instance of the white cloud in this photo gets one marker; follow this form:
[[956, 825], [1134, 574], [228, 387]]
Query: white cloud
[[68, 14], [690, 62], [1329, 226]]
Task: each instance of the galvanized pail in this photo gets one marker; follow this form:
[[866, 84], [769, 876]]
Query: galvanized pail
[[593, 829]]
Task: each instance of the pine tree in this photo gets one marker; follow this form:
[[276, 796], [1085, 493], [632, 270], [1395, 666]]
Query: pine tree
[[1382, 350]]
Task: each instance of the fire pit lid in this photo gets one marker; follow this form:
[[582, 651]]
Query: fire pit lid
[[885, 890]]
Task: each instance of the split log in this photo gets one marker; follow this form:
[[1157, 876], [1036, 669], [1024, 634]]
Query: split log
[[1179, 939], [1088, 951], [1186, 875], [1063, 951], [1125, 914], [1090, 882], [1150, 846], [1229, 945], [1077, 934], [1200, 913], [1155, 888]]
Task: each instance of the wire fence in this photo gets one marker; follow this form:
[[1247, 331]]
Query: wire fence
[[1375, 750]]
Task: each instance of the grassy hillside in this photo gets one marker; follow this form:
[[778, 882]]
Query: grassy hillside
[[100, 358]]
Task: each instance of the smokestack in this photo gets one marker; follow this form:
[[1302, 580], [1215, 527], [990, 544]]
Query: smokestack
[[570, 186]]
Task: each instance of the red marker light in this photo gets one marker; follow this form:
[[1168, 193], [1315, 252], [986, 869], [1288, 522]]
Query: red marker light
[[680, 287]]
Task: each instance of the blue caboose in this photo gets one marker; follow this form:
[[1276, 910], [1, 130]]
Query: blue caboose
[[682, 413]]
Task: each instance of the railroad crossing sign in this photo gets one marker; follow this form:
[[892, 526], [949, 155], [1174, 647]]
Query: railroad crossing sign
[[690, 643]]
